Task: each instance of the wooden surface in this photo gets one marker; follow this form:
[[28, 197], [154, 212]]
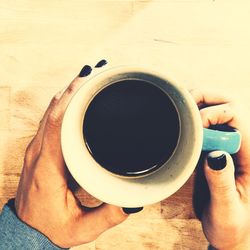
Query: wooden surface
[[44, 44]]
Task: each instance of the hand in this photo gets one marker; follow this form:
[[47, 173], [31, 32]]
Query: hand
[[226, 216], [43, 198]]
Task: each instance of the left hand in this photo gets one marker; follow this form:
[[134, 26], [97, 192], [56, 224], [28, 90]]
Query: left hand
[[225, 215]]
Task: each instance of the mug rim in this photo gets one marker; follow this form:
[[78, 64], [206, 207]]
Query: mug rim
[[90, 174]]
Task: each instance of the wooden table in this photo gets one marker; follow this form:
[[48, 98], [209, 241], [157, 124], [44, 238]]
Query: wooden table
[[44, 44]]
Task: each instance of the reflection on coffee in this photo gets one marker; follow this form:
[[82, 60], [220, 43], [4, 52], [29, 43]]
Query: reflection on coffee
[[131, 127]]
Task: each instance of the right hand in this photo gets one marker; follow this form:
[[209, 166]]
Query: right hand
[[226, 217], [44, 200]]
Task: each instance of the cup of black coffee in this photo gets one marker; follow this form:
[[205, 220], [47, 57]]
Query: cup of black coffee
[[131, 128], [132, 137]]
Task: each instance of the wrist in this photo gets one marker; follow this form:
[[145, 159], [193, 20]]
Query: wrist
[[16, 234]]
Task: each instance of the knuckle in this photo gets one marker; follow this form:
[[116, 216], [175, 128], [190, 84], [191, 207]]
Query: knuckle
[[29, 148], [110, 220], [115, 218], [207, 120], [224, 189], [58, 94], [72, 88], [54, 119], [29, 153], [55, 99], [27, 159]]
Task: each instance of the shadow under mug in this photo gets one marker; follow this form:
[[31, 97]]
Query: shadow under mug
[[154, 186]]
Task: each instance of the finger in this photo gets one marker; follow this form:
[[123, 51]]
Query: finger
[[65, 96], [219, 114], [226, 114], [56, 115], [53, 103], [51, 137], [206, 97], [34, 146], [201, 194], [99, 220], [219, 172], [55, 100]]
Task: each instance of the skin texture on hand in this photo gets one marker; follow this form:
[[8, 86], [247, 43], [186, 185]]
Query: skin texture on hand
[[43, 198], [226, 215]]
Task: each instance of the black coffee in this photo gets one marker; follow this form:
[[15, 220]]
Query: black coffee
[[131, 127]]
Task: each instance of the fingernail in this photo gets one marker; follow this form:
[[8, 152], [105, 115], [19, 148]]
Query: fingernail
[[133, 210], [217, 162], [86, 70], [101, 63]]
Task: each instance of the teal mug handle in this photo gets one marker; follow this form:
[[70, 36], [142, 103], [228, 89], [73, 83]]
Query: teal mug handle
[[221, 140]]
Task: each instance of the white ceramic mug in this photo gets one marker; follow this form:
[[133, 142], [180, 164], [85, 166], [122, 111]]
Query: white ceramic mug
[[137, 192]]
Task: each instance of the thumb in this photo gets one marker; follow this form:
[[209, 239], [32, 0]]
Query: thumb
[[96, 221], [219, 172]]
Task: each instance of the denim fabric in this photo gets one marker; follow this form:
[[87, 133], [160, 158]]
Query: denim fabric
[[16, 235]]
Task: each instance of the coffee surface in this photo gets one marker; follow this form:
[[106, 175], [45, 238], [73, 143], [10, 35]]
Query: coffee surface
[[131, 127]]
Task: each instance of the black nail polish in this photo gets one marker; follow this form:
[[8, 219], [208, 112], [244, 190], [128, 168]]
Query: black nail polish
[[101, 63], [218, 162], [86, 70], [132, 210]]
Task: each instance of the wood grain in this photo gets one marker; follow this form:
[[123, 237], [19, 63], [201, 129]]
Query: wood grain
[[12, 148], [179, 205], [153, 234], [5, 107], [28, 106]]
